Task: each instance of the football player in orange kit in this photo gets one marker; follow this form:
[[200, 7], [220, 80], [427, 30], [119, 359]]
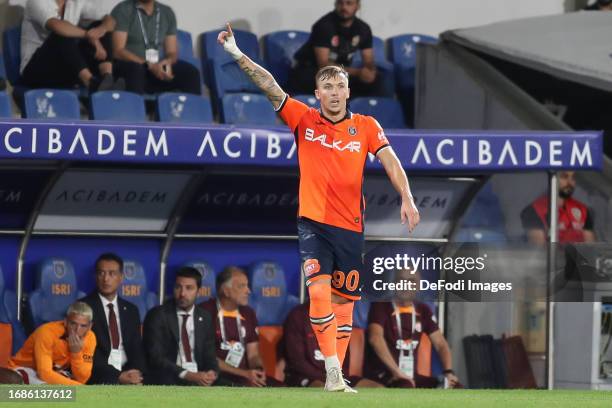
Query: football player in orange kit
[[333, 146]]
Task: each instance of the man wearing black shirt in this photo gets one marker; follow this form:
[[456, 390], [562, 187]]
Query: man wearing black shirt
[[334, 39]]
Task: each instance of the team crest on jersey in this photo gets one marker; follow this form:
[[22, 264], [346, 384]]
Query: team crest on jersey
[[352, 130], [577, 214], [355, 41], [335, 41]]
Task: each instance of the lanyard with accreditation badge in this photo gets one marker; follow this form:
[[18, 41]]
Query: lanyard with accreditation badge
[[235, 350], [406, 362], [151, 53]]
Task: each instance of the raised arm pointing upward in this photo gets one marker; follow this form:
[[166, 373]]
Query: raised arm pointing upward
[[260, 77]]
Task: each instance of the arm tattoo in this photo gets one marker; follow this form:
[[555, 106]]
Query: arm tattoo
[[263, 80]]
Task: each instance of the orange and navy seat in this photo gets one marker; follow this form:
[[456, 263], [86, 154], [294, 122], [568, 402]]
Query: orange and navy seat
[[208, 288], [272, 303], [135, 289], [55, 289]]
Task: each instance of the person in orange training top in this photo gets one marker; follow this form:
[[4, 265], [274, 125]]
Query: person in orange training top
[[333, 146], [59, 352]]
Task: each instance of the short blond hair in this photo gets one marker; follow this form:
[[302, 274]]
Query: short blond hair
[[80, 308], [329, 72]]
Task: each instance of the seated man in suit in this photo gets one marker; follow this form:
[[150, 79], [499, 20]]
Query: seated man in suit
[[59, 352], [179, 338], [119, 358], [305, 364], [237, 342]]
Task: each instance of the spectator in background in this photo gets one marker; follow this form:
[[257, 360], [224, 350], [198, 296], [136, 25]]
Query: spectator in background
[[119, 358], [575, 219], [178, 337], [59, 352], [334, 39], [237, 341], [396, 332], [305, 364], [57, 53], [600, 5], [145, 49]]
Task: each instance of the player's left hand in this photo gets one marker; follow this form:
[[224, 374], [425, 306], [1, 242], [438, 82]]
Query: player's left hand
[[410, 214]]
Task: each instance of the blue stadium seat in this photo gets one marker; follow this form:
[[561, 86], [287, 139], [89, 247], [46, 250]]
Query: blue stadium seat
[[227, 77], [380, 57], [51, 104], [5, 106], [387, 111], [309, 100], [475, 234], [12, 53], [484, 220], [402, 53], [117, 106], [279, 49], [134, 288], [251, 109], [208, 288], [221, 73], [185, 49], [55, 289], [211, 50], [384, 66], [360, 314], [177, 107], [9, 325], [270, 298]]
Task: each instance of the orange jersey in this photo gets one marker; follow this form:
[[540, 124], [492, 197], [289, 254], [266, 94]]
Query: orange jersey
[[332, 158], [47, 350]]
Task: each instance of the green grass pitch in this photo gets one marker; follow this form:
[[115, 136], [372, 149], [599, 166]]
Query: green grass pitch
[[183, 397]]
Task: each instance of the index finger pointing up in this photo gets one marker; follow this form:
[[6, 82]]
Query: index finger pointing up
[[229, 29]]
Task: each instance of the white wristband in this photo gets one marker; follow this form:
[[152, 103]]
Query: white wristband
[[231, 48]]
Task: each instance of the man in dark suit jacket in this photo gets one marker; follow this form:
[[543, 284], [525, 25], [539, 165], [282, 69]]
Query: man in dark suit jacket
[[119, 357], [179, 337]]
